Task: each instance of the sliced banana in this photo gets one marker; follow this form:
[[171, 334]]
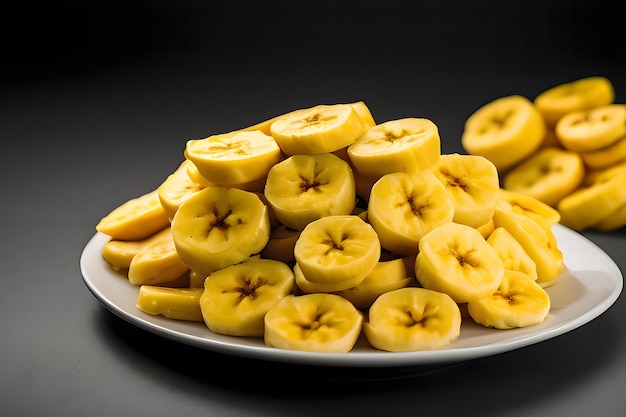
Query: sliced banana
[[518, 302], [404, 207], [512, 253], [505, 131], [317, 322], [173, 303], [236, 298], [281, 244], [528, 206], [605, 157], [178, 187], [308, 287], [412, 319], [119, 253], [594, 129], [157, 263]]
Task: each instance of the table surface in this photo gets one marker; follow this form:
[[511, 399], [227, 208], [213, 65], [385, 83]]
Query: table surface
[[90, 122]]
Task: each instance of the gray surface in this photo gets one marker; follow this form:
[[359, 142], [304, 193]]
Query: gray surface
[[83, 133]]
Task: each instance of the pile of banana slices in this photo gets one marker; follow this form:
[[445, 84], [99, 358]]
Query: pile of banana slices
[[320, 225]]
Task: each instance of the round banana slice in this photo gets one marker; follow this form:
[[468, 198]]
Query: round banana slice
[[308, 287], [512, 253], [236, 298], [234, 158], [135, 219], [455, 259], [582, 94], [178, 187], [317, 322], [403, 145], [404, 207], [319, 129], [172, 303], [473, 183], [528, 206], [303, 188], [156, 263], [505, 131], [548, 175], [119, 253], [412, 319], [590, 130], [336, 249], [518, 302], [218, 227], [605, 157]]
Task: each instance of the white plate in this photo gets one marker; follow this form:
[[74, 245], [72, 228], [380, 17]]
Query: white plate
[[591, 285]]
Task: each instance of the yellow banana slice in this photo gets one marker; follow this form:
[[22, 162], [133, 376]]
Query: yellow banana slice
[[403, 145], [234, 158], [135, 219], [337, 248], [590, 130], [512, 253], [173, 303], [518, 302], [364, 113], [308, 287], [412, 319], [119, 253], [236, 298], [319, 129], [602, 193], [218, 227], [455, 259], [386, 276], [582, 94], [527, 205], [548, 175], [156, 263], [404, 207], [281, 244], [177, 187], [505, 131], [605, 157], [538, 242], [303, 188], [473, 183], [314, 323]]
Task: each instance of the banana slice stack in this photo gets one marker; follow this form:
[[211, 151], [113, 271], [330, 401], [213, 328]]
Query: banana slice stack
[[566, 148], [319, 228]]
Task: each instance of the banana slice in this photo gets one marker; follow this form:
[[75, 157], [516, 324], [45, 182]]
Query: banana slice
[[218, 227], [605, 157], [364, 113], [548, 175], [404, 207], [178, 187], [281, 244], [601, 193], [157, 263], [512, 253], [236, 298], [538, 242], [473, 183], [455, 259], [135, 219], [518, 302], [337, 249], [403, 145], [412, 319], [303, 188], [505, 131], [119, 253], [308, 287], [173, 303], [582, 94], [319, 129], [317, 322], [529, 206], [234, 158], [590, 130]]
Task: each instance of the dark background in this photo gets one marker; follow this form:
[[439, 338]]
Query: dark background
[[97, 100]]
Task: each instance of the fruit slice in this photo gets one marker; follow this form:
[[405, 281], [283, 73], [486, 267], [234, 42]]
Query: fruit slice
[[314, 323], [364, 113], [473, 183], [178, 187], [319, 129], [505, 131], [529, 206], [512, 253], [590, 130], [218, 227], [336, 249], [234, 158], [119, 253], [582, 94], [518, 302], [548, 175], [403, 145], [607, 156], [281, 244], [308, 287], [135, 219], [173, 303], [236, 298], [303, 188], [156, 263], [455, 259], [404, 207], [412, 319]]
